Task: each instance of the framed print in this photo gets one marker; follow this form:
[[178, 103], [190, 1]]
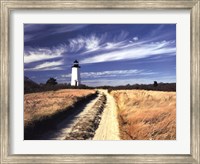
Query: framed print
[[100, 82]]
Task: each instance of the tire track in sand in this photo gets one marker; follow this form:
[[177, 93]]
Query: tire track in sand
[[109, 127]]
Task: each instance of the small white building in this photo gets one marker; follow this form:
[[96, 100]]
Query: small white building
[[75, 76]]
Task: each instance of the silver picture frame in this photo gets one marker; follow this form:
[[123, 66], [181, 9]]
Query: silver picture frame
[[6, 8]]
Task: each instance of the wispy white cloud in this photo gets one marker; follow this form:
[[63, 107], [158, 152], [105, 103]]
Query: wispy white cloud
[[66, 76], [135, 38], [86, 43], [49, 64], [36, 31], [113, 45], [121, 36], [76, 44], [53, 65], [39, 54], [94, 42], [113, 73], [28, 37], [156, 30], [134, 52], [110, 73], [67, 28]]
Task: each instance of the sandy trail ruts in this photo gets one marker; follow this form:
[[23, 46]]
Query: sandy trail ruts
[[66, 126], [109, 127]]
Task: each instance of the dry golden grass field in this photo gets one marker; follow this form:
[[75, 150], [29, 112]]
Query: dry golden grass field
[[146, 115], [45, 104]]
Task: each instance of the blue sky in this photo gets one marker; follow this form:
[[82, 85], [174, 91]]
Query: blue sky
[[109, 54]]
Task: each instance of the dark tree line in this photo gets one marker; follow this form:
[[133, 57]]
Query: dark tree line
[[52, 85], [155, 87], [51, 81]]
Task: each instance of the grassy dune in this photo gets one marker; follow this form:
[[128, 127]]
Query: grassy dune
[[146, 115], [38, 106]]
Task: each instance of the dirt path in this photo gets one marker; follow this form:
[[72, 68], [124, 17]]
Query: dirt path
[[108, 128], [66, 126]]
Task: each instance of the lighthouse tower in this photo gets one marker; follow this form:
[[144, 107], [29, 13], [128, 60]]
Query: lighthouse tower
[[75, 76]]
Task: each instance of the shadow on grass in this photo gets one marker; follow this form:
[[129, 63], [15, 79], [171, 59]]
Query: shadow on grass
[[47, 127]]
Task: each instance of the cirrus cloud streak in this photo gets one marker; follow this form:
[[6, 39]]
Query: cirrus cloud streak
[[113, 73], [133, 51], [53, 65]]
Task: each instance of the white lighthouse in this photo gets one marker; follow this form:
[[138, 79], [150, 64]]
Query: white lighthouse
[[75, 76]]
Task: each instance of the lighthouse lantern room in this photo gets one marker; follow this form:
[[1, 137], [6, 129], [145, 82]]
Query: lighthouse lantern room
[[75, 76]]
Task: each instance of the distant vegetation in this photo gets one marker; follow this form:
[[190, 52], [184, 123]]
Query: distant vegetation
[[155, 87], [52, 85], [51, 81]]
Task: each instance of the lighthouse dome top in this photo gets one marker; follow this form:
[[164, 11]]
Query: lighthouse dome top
[[75, 61], [76, 64]]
